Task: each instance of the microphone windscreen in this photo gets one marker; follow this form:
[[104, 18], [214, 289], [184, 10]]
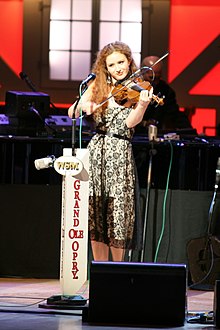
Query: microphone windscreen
[[22, 75]]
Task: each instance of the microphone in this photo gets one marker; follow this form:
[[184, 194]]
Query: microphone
[[43, 163], [25, 77], [90, 77], [217, 173], [152, 133]]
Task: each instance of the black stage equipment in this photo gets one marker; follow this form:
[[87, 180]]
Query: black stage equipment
[[204, 252], [135, 293], [27, 112]]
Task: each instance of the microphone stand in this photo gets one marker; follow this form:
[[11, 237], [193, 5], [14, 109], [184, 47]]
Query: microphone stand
[[73, 141], [30, 84], [74, 118], [152, 152]]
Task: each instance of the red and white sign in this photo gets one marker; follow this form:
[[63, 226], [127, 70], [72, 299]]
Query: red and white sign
[[74, 224]]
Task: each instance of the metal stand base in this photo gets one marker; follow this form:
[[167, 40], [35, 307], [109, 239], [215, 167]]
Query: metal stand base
[[64, 302]]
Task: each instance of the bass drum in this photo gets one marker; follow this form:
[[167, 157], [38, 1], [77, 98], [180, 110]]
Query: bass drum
[[204, 260]]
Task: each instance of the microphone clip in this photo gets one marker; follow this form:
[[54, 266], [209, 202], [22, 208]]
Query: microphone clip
[[90, 77]]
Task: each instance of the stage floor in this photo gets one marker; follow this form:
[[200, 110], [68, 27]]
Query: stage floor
[[20, 299]]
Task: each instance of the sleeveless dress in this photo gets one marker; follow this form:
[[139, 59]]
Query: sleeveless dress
[[113, 178]]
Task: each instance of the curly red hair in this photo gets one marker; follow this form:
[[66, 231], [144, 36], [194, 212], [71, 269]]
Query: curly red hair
[[101, 87]]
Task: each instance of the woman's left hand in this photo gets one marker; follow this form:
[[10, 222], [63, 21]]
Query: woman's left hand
[[136, 115], [145, 96]]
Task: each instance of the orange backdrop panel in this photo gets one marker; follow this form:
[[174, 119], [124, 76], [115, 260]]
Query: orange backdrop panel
[[11, 36]]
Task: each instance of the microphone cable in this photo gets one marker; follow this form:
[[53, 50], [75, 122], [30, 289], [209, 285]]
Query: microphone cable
[[32, 109]]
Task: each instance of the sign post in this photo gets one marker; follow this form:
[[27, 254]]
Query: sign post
[[74, 225], [74, 219]]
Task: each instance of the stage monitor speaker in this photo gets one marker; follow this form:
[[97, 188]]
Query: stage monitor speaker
[[18, 104], [27, 112], [128, 293]]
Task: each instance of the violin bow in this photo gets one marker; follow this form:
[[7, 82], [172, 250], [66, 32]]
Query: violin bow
[[160, 59]]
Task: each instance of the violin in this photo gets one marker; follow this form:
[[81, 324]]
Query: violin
[[125, 95]]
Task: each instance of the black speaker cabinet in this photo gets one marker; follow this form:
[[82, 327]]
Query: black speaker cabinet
[[27, 112], [20, 104], [127, 293]]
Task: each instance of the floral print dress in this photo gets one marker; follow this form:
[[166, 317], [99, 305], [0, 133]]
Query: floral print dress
[[113, 178]]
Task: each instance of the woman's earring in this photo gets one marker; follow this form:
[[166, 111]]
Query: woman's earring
[[109, 79]]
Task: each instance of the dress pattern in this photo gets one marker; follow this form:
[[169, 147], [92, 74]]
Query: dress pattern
[[112, 181]]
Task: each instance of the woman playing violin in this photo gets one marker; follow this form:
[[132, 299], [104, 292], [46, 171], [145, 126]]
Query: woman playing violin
[[112, 173]]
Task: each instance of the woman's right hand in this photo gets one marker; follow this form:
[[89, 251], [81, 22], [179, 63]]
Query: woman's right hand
[[88, 107], [71, 110]]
